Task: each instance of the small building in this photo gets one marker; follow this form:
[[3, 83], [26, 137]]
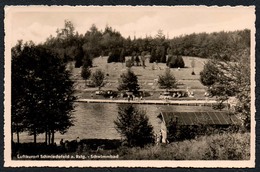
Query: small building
[[177, 125]]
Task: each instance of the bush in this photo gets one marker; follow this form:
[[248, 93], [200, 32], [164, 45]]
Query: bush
[[175, 61], [98, 78], [180, 133], [78, 63], [87, 62], [85, 72], [128, 63], [208, 75], [234, 146], [114, 56]]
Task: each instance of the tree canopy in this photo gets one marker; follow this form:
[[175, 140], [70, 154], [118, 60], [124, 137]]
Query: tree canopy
[[134, 126], [128, 81], [98, 78], [42, 92], [167, 80], [95, 42], [209, 74], [227, 79], [85, 72]]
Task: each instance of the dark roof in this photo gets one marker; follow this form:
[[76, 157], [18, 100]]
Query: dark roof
[[203, 118]]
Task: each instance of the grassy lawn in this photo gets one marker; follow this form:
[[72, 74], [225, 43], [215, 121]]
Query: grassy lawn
[[146, 77]]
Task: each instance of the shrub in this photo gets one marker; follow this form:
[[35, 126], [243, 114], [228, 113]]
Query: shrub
[[114, 56], [98, 78], [87, 62], [234, 146], [175, 61], [85, 72], [128, 63], [208, 75]]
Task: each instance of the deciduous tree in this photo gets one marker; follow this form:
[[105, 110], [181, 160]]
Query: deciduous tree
[[46, 89], [209, 74], [98, 78], [231, 79]]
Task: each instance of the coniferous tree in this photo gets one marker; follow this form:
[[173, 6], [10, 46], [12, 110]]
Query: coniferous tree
[[163, 55], [167, 80], [85, 72], [122, 56], [153, 56], [79, 58], [134, 126], [129, 82], [192, 65]]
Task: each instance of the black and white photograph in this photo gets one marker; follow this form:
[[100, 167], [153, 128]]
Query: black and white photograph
[[129, 86]]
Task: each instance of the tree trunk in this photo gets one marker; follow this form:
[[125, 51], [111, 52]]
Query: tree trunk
[[52, 138], [49, 138], [12, 137], [34, 135], [46, 136], [18, 139]]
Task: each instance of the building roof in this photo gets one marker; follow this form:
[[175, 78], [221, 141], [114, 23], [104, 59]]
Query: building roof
[[200, 118]]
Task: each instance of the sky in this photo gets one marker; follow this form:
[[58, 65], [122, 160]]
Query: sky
[[36, 23]]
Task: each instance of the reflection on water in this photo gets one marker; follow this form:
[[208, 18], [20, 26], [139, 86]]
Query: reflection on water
[[96, 120]]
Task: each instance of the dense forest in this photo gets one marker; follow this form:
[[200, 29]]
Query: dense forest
[[70, 45]]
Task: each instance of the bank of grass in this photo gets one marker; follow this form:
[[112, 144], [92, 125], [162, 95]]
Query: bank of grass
[[226, 146], [115, 69], [146, 76], [214, 147]]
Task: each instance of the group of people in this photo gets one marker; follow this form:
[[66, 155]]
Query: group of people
[[190, 93], [132, 97], [65, 145], [161, 137], [178, 94]]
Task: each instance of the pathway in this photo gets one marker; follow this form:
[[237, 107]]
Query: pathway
[[163, 102]]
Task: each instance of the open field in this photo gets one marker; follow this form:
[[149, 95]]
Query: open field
[[115, 69]]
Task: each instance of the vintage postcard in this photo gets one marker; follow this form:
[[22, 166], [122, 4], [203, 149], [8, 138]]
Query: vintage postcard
[[125, 86]]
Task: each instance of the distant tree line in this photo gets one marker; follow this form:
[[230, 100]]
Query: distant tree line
[[220, 45], [70, 45]]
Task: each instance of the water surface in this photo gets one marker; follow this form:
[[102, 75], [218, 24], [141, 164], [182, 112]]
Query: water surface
[[96, 120]]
